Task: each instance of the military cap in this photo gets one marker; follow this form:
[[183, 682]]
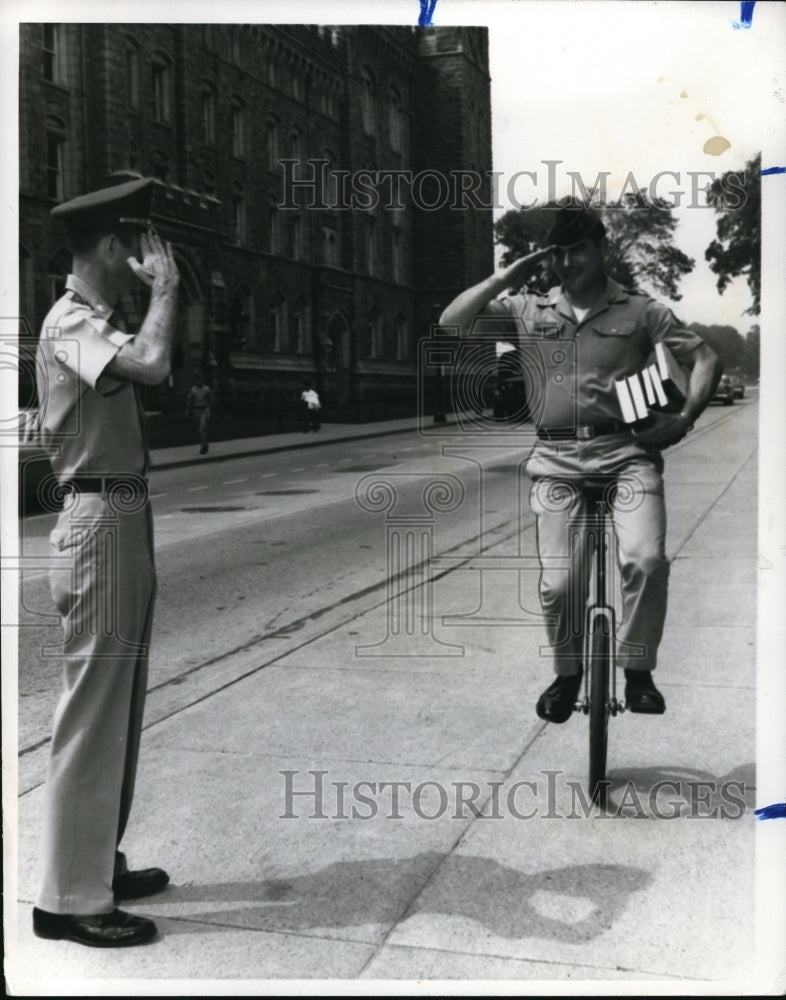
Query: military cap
[[573, 223], [121, 205]]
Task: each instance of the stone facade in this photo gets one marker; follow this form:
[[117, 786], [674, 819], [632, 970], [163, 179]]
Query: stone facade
[[280, 280]]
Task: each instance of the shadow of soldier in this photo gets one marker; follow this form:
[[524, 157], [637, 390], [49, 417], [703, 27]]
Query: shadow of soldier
[[573, 904]]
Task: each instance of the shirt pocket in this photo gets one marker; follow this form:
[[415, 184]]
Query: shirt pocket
[[613, 346]]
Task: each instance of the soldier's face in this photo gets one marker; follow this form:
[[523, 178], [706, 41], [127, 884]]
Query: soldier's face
[[579, 267]]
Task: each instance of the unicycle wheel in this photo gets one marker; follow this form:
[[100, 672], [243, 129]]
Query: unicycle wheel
[[599, 709]]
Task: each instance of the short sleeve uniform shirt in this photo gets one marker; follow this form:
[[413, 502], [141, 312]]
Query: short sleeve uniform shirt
[[91, 422], [572, 365]]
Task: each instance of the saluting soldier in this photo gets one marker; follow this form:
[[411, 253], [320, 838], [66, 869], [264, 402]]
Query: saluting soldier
[[92, 424], [592, 332]]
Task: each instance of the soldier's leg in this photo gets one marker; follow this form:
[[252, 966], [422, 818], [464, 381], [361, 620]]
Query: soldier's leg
[[561, 532]]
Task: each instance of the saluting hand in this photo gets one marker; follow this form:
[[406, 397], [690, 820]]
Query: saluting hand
[[158, 267]]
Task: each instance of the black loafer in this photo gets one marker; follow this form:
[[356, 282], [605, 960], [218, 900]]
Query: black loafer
[[104, 930], [557, 702], [135, 885], [641, 695]]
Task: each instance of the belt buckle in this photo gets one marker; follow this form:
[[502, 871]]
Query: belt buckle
[[585, 432]]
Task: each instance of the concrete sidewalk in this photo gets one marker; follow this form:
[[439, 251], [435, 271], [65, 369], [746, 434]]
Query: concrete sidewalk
[[361, 811], [169, 458]]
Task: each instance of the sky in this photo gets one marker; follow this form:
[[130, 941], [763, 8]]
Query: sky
[[637, 88]]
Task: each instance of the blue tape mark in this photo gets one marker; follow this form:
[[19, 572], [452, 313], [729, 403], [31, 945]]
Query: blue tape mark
[[426, 11], [773, 170], [776, 811], [746, 15]]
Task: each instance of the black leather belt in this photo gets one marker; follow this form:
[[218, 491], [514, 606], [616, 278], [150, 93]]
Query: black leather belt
[[582, 432], [106, 484]]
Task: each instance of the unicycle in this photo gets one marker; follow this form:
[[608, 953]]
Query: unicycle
[[599, 699]]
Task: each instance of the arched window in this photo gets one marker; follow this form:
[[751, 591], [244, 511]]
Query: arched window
[[132, 74], [329, 247], [241, 320], [55, 157], [374, 328], [367, 100], [238, 124], [299, 327], [208, 115], [238, 214], [274, 231], [395, 119], [161, 79], [277, 322], [273, 139]]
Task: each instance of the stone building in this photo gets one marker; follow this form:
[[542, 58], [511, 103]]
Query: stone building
[[263, 140]]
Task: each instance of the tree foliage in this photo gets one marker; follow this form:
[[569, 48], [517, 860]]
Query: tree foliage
[[736, 250], [640, 244]]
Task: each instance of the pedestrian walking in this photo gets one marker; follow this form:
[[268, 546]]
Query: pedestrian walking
[[589, 332], [199, 404], [309, 408], [93, 425]]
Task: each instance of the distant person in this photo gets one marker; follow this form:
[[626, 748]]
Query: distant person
[[199, 403], [309, 408]]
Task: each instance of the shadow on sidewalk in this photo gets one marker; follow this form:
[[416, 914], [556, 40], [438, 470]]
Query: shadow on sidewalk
[[571, 904]]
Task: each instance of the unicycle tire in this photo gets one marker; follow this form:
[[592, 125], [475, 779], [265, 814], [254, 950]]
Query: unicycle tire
[[599, 665]]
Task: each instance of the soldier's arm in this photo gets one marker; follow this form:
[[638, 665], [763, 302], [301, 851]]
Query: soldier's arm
[[466, 306], [147, 358]]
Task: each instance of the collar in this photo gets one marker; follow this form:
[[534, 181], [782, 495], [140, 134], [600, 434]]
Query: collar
[[555, 299], [89, 294]]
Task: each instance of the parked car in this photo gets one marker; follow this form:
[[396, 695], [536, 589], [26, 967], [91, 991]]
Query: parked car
[[738, 386], [724, 391]]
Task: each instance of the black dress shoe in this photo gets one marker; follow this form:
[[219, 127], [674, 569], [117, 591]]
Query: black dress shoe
[[641, 695], [557, 702], [104, 930], [135, 885]]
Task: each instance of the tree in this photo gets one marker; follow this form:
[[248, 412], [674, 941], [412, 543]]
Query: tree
[[639, 236], [737, 249], [727, 342]]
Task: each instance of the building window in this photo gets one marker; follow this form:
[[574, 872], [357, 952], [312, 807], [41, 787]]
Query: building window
[[207, 35], [236, 51], [55, 156], [298, 328], [208, 117], [402, 338], [275, 228], [371, 246], [239, 216], [376, 346], [297, 87], [209, 184], [132, 74], [296, 145], [329, 247], [273, 154], [241, 320], [160, 166], [162, 89], [298, 238], [277, 318], [238, 130], [395, 119], [397, 269], [270, 71], [367, 100], [54, 53], [133, 155]]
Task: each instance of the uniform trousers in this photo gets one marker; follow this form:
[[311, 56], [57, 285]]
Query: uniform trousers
[[638, 512], [105, 594]]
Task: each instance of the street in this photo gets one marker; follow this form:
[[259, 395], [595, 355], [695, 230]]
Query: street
[[306, 624]]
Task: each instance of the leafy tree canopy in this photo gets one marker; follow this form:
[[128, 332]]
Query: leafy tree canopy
[[737, 248]]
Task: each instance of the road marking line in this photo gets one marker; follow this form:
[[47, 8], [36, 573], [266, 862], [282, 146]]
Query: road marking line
[[299, 469], [266, 475], [230, 482], [194, 489], [322, 465]]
